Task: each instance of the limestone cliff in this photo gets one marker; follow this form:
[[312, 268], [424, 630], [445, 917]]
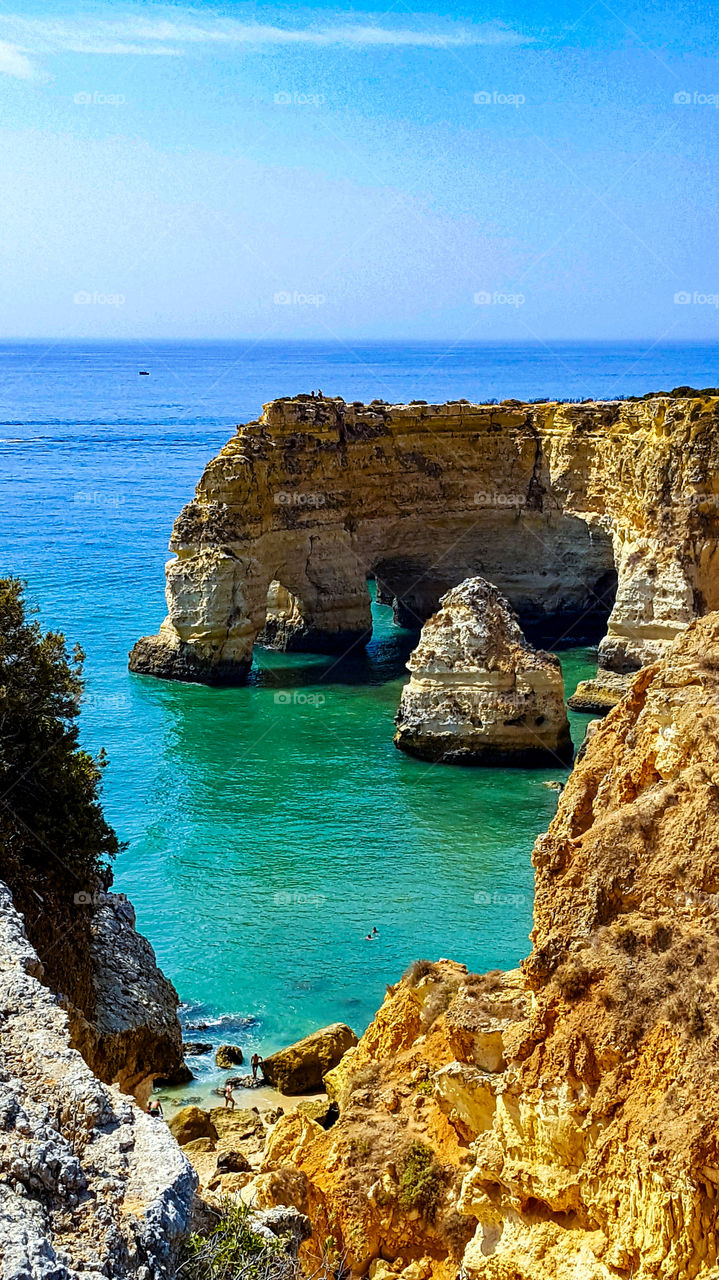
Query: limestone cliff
[[90, 1186], [133, 1033], [555, 504], [561, 1123], [479, 693]]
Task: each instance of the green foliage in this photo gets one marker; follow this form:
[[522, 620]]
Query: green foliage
[[426, 1087], [232, 1249], [54, 839], [421, 1181]]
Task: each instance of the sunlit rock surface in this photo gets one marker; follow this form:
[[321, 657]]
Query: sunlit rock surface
[[560, 506], [478, 692], [567, 1116]]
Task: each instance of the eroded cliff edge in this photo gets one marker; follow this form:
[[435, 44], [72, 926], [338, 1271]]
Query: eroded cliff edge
[[570, 510], [562, 1121], [89, 1185]]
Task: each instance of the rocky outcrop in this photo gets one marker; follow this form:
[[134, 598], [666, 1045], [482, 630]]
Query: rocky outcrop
[[563, 1121], [301, 1067], [229, 1056], [601, 693], [555, 504], [225, 1147], [479, 693], [89, 1185], [134, 1034], [191, 1123]]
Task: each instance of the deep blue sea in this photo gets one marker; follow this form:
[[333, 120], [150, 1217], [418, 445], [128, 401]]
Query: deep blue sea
[[265, 840]]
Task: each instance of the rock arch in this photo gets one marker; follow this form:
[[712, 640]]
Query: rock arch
[[547, 501]]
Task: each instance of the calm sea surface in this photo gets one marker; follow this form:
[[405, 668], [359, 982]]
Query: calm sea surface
[[267, 837]]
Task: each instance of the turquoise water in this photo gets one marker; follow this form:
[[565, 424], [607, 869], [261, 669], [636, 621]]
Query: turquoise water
[[267, 835]]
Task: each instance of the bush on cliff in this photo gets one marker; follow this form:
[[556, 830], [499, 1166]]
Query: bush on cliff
[[54, 840], [421, 1181], [232, 1249], [235, 1250]]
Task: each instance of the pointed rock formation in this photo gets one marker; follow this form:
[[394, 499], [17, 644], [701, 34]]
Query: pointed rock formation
[[479, 693]]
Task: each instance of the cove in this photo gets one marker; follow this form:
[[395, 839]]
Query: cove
[[286, 826]]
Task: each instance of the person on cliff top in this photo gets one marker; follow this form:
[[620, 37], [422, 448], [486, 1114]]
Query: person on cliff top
[[154, 1108], [255, 1064], [229, 1097]]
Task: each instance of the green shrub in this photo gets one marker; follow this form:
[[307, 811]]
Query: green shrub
[[421, 1181], [54, 840], [425, 1086], [233, 1249]]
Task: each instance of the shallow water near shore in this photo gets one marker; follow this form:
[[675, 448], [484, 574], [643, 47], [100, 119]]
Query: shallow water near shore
[[270, 828]]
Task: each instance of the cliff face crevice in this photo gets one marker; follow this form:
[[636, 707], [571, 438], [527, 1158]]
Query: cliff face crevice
[[567, 1113], [549, 502], [90, 1186]]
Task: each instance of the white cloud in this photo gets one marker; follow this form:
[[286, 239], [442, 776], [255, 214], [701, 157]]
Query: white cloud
[[174, 35], [13, 62]]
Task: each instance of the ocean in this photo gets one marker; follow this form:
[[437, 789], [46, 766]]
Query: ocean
[[266, 838]]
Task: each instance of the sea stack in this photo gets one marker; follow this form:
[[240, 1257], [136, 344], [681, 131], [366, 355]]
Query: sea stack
[[479, 693]]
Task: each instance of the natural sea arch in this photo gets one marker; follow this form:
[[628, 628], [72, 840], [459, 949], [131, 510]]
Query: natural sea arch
[[552, 503]]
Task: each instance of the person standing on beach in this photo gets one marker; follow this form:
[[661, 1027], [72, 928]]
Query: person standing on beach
[[255, 1064], [229, 1099], [154, 1108]]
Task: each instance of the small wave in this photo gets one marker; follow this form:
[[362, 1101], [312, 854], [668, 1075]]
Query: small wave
[[195, 1019]]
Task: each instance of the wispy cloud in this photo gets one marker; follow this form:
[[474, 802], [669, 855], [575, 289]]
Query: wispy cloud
[[177, 35], [13, 62]]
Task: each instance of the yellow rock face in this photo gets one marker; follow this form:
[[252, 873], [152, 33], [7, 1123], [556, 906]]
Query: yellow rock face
[[548, 502], [564, 1120]]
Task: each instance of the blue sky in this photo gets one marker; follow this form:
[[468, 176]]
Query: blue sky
[[422, 170]]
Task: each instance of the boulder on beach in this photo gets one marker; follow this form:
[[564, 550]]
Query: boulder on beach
[[301, 1067], [229, 1055], [231, 1160], [190, 1123], [479, 693]]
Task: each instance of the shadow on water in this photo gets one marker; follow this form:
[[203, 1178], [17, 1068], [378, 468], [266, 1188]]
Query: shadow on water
[[382, 660]]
